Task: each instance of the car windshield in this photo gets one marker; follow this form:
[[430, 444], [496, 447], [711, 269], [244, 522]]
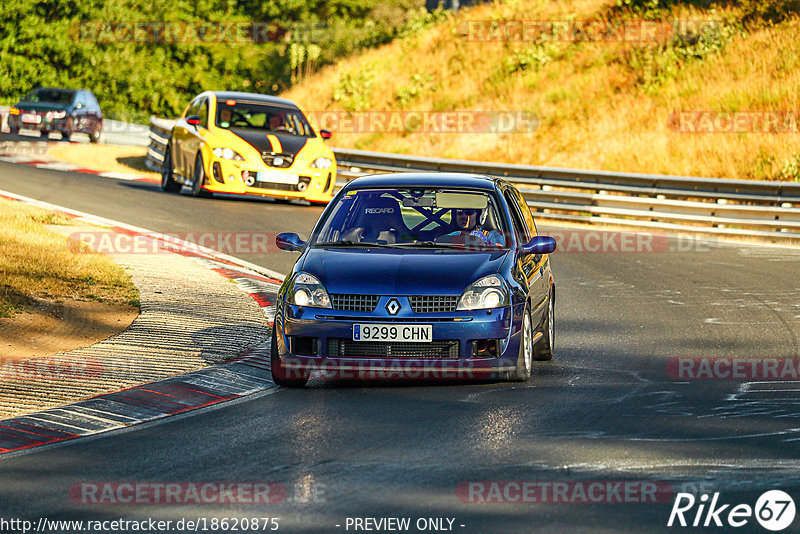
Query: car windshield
[[458, 219], [262, 117], [55, 96]]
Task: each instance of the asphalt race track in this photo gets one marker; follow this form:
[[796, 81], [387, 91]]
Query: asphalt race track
[[610, 407]]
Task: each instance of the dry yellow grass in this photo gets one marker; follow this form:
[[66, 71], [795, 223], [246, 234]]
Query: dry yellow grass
[[106, 158], [36, 262], [594, 111]]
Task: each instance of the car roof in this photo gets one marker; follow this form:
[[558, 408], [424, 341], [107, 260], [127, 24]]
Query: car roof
[[426, 179], [253, 97]]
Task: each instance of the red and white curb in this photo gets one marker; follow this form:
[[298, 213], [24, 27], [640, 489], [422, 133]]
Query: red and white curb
[[245, 374], [31, 160]]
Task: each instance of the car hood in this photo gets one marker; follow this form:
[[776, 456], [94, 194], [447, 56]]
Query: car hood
[[41, 106], [394, 272], [290, 144]]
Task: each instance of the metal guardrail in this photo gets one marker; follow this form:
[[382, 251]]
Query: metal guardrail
[[675, 203]]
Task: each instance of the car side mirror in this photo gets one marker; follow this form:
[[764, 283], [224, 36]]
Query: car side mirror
[[541, 244], [325, 134], [194, 120], [289, 241]]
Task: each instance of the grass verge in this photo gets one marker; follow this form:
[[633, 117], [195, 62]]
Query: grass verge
[[37, 263]]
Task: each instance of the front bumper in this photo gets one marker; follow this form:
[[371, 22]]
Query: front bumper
[[226, 176], [332, 334]]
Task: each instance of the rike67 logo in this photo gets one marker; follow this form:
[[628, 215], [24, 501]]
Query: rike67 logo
[[774, 510]]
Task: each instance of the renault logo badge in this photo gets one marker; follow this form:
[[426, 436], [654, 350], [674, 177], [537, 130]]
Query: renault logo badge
[[393, 306]]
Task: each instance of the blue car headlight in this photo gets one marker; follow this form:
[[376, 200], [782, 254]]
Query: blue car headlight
[[307, 290], [227, 153], [488, 292]]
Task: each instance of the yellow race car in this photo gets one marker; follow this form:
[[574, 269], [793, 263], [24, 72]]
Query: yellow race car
[[248, 144]]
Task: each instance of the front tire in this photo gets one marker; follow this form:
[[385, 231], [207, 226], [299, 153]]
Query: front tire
[[543, 350], [94, 137], [522, 373], [277, 368], [44, 134], [168, 182], [65, 135], [199, 178]]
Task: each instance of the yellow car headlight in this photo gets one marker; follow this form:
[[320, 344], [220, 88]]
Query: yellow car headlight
[[321, 163], [227, 153]]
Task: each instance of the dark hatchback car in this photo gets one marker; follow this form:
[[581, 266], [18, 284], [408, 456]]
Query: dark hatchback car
[[66, 111], [430, 275]]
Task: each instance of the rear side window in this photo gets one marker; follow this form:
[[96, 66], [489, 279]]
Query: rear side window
[[520, 227], [526, 211]]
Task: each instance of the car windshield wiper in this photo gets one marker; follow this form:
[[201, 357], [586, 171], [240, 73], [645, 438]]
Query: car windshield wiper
[[430, 244], [354, 244]]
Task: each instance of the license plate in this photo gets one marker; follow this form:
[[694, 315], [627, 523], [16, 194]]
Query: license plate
[[278, 177], [411, 333], [31, 118]]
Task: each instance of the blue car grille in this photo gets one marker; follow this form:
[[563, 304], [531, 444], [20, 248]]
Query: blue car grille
[[433, 303], [346, 348], [360, 303]]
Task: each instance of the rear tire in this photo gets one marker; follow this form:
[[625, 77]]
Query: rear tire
[[168, 182], [44, 134], [543, 350], [199, 178], [277, 368], [525, 357], [65, 135]]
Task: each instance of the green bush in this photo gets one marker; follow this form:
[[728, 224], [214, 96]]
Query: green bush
[[655, 64], [791, 169], [353, 92], [420, 84]]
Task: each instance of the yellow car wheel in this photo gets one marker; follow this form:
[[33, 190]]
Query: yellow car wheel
[[199, 178]]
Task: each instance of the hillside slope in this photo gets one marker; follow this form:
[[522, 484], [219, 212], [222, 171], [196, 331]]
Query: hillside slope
[[602, 103]]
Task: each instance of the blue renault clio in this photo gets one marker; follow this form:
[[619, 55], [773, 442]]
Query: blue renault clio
[[421, 276]]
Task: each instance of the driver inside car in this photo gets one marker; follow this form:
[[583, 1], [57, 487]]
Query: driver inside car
[[473, 226]]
